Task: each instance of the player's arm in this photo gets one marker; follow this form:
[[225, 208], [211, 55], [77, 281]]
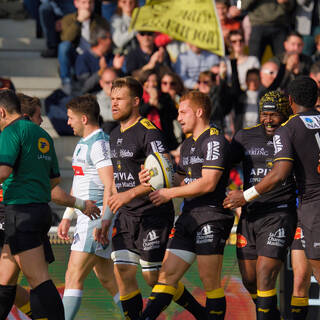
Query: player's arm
[[279, 173], [5, 172], [207, 183]]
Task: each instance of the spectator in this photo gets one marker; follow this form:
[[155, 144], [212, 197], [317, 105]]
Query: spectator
[[75, 32], [120, 22], [315, 73], [50, 14], [307, 23], [146, 56], [90, 65], [104, 100], [108, 8], [158, 107], [269, 24], [237, 51], [190, 63], [227, 23], [294, 45], [316, 56], [173, 85]]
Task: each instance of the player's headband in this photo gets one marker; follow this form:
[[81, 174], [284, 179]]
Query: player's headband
[[277, 102]]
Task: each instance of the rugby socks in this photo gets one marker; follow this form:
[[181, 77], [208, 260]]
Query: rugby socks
[[160, 298], [26, 309], [216, 304], [184, 298], [45, 298], [7, 296], [254, 297], [116, 300], [71, 302], [132, 305], [267, 305], [299, 308]]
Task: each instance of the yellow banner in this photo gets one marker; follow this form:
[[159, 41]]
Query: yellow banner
[[192, 21]]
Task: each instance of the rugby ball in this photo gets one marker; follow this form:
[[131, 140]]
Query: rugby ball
[[160, 170]]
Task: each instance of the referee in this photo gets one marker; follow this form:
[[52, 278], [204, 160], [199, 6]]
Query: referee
[[28, 170]]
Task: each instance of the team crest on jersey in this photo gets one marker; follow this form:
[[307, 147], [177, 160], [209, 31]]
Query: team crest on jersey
[[205, 235], [241, 241], [277, 238], [269, 163], [171, 235], [299, 234], [311, 122], [43, 145], [114, 231], [119, 165], [151, 241], [214, 131], [148, 124], [189, 172]]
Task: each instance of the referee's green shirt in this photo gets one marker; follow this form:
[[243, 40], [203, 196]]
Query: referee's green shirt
[[29, 150]]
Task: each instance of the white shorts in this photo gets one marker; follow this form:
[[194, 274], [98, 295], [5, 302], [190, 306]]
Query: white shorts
[[83, 239]]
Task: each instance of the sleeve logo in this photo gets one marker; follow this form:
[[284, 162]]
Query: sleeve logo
[[213, 151], [43, 145], [277, 144], [311, 122], [157, 146]]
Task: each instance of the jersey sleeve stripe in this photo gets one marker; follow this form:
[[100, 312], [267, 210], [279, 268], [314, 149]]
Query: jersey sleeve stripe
[[213, 167], [277, 159]]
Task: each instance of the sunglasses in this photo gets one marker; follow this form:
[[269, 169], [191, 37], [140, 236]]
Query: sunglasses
[[270, 72], [237, 41], [203, 82], [146, 33], [168, 83]]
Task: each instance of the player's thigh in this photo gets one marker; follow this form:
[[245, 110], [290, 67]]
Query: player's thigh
[[9, 269], [79, 266], [33, 265], [210, 267]]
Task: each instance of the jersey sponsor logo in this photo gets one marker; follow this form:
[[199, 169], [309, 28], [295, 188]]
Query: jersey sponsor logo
[[171, 235], [213, 151], [185, 161], [214, 131], [192, 150], [205, 235], [277, 239], [43, 145], [119, 141], [311, 122], [148, 124], [78, 171], [259, 171], [157, 146], [123, 176], [277, 143], [151, 241], [196, 159], [299, 234], [241, 241], [257, 152], [2, 224], [125, 153], [188, 180], [113, 154], [76, 238]]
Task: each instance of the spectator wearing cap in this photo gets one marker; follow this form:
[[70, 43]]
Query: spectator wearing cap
[[91, 64], [146, 56], [190, 63]]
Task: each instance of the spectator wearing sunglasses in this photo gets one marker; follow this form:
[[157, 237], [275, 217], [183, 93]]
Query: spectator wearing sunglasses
[[173, 85], [146, 56]]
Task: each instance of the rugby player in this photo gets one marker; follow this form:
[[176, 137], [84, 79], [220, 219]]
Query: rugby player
[[141, 230], [93, 178], [267, 225], [31, 108], [28, 170], [202, 229], [297, 146]]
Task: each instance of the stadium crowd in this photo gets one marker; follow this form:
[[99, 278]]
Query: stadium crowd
[[144, 92]]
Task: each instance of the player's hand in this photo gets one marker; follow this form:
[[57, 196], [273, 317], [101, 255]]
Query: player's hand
[[63, 229], [144, 176], [91, 210], [118, 200], [159, 197], [234, 200], [101, 234]]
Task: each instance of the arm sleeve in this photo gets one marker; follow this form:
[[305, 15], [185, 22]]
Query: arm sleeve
[[237, 149], [154, 142], [282, 145], [100, 154], [70, 28], [9, 148], [215, 153]]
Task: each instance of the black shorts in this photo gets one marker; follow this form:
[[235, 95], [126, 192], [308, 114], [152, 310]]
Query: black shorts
[[202, 231], [309, 216], [146, 235], [27, 226], [269, 235]]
